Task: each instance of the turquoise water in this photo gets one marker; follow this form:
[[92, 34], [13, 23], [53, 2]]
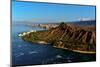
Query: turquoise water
[[27, 53]]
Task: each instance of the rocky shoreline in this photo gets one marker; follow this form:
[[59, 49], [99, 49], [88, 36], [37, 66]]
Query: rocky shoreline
[[78, 51]]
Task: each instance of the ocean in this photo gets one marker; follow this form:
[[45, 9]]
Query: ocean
[[27, 53]]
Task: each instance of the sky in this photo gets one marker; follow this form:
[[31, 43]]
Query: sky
[[46, 12]]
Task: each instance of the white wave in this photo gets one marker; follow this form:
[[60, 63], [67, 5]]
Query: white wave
[[20, 54], [58, 56], [32, 52]]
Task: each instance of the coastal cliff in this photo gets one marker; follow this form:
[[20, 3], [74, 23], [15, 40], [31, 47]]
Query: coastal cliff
[[67, 36]]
